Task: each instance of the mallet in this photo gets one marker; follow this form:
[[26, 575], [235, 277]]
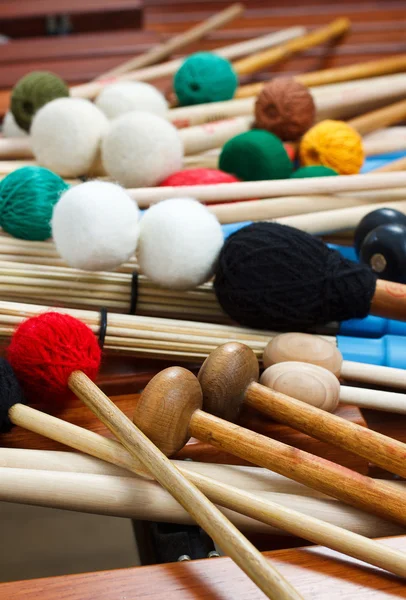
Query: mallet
[[49, 353], [229, 378], [169, 415], [321, 388]]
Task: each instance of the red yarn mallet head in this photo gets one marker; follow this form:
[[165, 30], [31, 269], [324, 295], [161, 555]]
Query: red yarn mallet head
[[45, 350], [199, 176]]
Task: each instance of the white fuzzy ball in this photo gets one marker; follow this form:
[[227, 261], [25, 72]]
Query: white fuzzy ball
[[66, 135], [179, 243], [10, 127], [95, 226], [123, 97], [141, 149]]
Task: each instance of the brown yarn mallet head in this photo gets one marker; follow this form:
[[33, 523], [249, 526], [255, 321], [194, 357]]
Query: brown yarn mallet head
[[169, 413]]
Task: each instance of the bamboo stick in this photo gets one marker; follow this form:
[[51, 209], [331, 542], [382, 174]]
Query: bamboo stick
[[380, 118], [362, 70], [161, 51]]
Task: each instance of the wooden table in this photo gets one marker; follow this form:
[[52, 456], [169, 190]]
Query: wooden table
[[317, 573]]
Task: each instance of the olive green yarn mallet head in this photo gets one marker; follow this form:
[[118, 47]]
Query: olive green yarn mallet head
[[31, 92], [27, 199]]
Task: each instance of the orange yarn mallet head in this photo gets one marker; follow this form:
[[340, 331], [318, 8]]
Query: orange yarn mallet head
[[333, 144]]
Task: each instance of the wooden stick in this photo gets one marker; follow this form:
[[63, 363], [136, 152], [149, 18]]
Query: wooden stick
[[139, 499], [373, 374], [92, 89], [206, 514], [263, 189], [396, 165], [373, 68], [166, 406], [340, 219], [335, 101], [269, 57], [380, 118], [175, 43], [374, 399]]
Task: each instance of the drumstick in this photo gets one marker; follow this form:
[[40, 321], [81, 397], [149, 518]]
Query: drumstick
[[233, 367], [160, 51], [217, 526], [92, 89], [362, 70], [269, 57], [140, 499], [265, 189], [319, 387]]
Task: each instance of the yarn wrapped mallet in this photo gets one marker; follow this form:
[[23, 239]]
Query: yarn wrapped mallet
[[286, 108], [274, 276], [32, 92], [125, 96], [27, 199], [205, 77], [41, 352]]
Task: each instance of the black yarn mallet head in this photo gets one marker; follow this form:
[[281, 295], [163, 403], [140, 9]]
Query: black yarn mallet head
[[271, 276], [11, 393]]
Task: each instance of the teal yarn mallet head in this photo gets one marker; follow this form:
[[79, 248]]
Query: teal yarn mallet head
[[27, 198], [205, 77]]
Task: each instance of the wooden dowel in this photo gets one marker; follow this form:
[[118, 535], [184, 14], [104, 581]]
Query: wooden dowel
[[145, 500], [212, 135], [396, 165], [337, 220], [269, 57], [374, 68], [373, 399], [263, 189], [380, 118], [205, 514], [373, 374], [175, 43]]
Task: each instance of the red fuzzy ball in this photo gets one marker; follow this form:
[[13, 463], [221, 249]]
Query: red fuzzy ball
[[198, 177], [291, 150], [45, 350]]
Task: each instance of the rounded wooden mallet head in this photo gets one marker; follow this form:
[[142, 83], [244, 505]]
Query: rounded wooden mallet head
[[224, 376], [303, 347], [306, 382], [165, 408]]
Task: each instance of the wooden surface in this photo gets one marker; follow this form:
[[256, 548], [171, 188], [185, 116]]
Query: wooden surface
[[317, 573]]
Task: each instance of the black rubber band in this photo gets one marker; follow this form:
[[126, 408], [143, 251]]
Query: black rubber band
[[134, 293], [103, 327]]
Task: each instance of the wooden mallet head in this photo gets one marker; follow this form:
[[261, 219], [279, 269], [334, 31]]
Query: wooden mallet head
[[166, 406], [225, 376]]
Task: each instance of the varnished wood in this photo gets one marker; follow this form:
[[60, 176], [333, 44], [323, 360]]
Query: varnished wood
[[217, 526], [317, 572], [381, 450], [389, 300], [306, 382], [310, 470], [383, 117], [303, 347]]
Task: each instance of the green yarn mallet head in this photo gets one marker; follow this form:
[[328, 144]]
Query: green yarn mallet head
[[27, 198], [205, 77], [313, 171], [31, 92], [256, 155]]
